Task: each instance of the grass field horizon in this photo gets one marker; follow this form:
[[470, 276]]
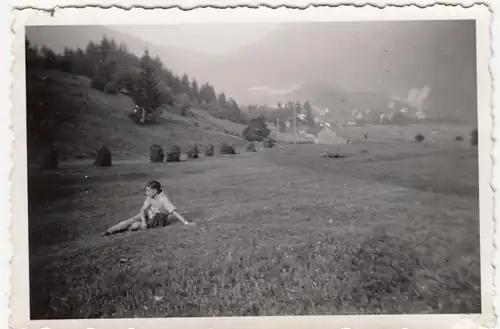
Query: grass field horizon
[[99, 119], [392, 228]]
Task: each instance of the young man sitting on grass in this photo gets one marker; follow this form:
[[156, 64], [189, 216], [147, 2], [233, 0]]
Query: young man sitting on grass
[[154, 212]]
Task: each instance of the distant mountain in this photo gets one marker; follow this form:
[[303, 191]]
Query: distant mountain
[[360, 58], [326, 96]]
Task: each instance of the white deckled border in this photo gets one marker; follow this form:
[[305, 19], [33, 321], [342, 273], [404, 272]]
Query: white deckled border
[[19, 302]]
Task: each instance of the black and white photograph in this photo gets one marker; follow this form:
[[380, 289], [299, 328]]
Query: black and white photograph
[[255, 168]]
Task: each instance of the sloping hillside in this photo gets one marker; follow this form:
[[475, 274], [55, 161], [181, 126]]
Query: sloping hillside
[[83, 119]]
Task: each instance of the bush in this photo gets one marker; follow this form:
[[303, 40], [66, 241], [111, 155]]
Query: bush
[[156, 153], [227, 149], [174, 154], [419, 138], [103, 158], [257, 130]]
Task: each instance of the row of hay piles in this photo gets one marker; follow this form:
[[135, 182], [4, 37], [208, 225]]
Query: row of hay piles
[[174, 154], [102, 159], [156, 153]]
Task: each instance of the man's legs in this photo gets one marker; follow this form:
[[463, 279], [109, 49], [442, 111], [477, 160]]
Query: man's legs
[[123, 225], [157, 220], [135, 226]]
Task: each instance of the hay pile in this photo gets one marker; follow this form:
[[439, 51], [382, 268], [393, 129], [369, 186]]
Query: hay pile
[[156, 153], [209, 151], [103, 157], [193, 151], [226, 148], [250, 147], [174, 154]]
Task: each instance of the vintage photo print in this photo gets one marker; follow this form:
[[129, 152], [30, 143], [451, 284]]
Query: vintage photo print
[[253, 167]]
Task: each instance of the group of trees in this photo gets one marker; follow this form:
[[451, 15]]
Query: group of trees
[[284, 112], [113, 67], [257, 129]]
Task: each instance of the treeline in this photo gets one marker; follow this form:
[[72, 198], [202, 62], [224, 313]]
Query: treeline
[[284, 112], [112, 68]]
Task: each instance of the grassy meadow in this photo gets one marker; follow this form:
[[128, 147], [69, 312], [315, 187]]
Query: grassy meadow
[[391, 228]]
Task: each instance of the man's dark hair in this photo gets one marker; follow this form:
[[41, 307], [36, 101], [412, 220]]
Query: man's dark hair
[[155, 185]]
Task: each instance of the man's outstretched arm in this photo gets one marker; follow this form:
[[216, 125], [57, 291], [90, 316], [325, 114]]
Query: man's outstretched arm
[[169, 206], [182, 219]]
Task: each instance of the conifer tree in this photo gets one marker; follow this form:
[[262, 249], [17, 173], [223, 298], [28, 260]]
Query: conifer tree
[[148, 95], [308, 112]]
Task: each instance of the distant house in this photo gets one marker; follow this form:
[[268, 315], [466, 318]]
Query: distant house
[[327, 136]]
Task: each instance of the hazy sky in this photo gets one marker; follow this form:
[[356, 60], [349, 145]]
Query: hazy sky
[[351, 57], [207, 38]]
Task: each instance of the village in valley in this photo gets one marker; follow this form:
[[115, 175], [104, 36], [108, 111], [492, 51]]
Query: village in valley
[[322, 131]]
